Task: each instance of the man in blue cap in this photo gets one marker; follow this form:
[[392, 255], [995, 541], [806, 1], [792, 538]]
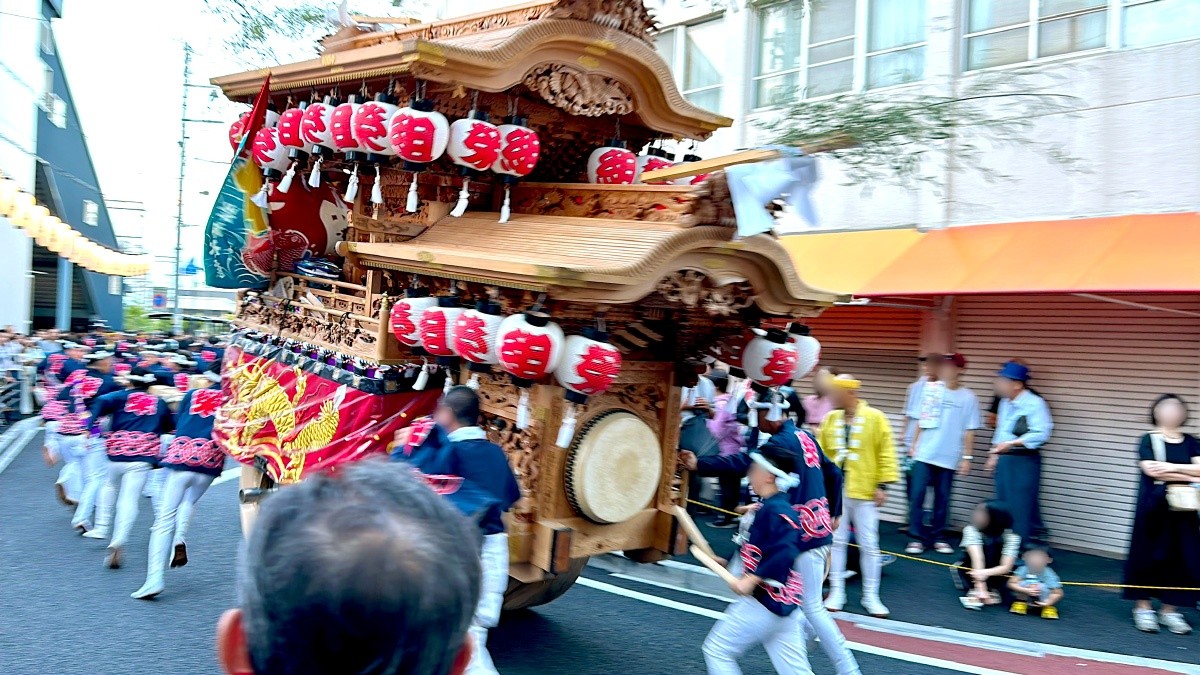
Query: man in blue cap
[[1023, 426]]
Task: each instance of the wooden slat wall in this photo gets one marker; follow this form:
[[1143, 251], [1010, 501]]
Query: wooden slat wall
[[1099, 365], [878, 346]]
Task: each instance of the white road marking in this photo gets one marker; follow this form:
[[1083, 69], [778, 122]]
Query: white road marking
[[228, 475], [867, 649], [16, 438], [659, 584]]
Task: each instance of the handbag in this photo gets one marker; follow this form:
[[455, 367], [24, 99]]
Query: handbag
[[1179, 497]]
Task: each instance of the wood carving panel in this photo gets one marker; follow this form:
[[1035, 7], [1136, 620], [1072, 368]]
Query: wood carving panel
[[579, 93], [521, 447], [584, 201], [627, 16]]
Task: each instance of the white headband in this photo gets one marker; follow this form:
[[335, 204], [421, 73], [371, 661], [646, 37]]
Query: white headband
[[784, 481]]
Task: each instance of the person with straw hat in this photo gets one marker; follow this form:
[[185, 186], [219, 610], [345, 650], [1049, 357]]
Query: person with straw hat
[[132, 447], [858, 438]]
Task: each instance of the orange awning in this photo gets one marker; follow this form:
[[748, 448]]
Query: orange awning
[[1142, 253]]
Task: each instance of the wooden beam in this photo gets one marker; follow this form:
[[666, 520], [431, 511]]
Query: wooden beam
[[836, 142]]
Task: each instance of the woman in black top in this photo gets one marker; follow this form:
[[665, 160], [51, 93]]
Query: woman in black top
[[1165, 547]]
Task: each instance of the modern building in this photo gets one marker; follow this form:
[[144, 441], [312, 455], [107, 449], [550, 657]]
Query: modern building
[[1080, 270], [45, 149]]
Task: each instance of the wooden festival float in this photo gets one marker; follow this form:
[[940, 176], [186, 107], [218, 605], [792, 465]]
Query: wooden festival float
[[573, 318]]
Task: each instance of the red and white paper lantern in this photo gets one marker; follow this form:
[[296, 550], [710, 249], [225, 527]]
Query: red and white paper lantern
[[437, 332], [269, 152], [690, 180], [371, 125], [612, 164], [237, 130], [529, 347], [653, 160], [316, 127], [342, 126], [419, 135], [520, 149], [475, 335], [291, 137], [769, 359], [589, 367], [474, 145], [405, 317], [808, 350]]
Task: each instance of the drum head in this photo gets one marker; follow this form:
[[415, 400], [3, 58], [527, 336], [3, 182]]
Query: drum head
[[614, 467]]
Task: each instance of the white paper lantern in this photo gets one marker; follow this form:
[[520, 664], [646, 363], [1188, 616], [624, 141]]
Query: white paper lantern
[[612, 165], [474, 142], [372, 124], [269, 152], [405, 317], [529, 346], [769, 359], [808, 349], [437, 327]]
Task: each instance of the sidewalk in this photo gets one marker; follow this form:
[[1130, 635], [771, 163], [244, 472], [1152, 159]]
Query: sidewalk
[[1092, 618]]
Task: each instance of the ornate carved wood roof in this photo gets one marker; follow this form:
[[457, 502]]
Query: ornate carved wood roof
[[586, 57], [595, 260]]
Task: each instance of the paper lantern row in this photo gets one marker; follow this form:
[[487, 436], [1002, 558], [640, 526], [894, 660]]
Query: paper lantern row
[[23, 211], [529, 346]]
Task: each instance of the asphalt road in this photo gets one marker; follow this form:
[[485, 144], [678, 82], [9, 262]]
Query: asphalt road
[[62, 612]]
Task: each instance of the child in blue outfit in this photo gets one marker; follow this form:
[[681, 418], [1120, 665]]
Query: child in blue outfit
[[1035, 583], [771, 590]]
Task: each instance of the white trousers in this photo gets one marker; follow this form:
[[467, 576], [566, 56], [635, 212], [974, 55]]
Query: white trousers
[[746, 623], [494, 558], [811, 567], [88, 453], [69, 474], [176, 504], [863, 515], [124, 487]]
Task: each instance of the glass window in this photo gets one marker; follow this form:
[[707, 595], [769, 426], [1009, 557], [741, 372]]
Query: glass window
[[664, 42], [1073, 34], [998, 30], [831, 48], [46, 37], [779, 33], [831, 19], [704, 58], [895, 38], [892, 68], [91, 212], [1055, 7], [998, 49], [114, 285], [988, 14], [1152, 22]]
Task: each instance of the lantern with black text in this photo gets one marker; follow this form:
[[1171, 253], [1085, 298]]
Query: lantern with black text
[[529, 347], [520, 149], [653, 160], [419, 135], [589, 367], [316, 127], [769, 359], [808, 349], [405, 316], [474, 145], [475, 335], [612, 164]]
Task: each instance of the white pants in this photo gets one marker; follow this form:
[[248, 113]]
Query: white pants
[[863, 515], [811, 567], [124, 486], [746, 623], [494, 558], [69, 474], [176, 504], [88, 453]]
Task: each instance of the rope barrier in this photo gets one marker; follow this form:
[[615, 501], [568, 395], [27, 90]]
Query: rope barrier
[[954, 566]]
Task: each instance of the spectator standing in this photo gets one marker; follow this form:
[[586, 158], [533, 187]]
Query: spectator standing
[[858, 438], [818, 404], [725, 428], [1164, 549], [1023, 425], [949, 416]]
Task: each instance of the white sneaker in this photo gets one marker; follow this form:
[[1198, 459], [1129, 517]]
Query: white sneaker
[[874, 607], [147, 591], [836, 600], [1145, 620], [1175, 623], [914, 548], [96, 534]]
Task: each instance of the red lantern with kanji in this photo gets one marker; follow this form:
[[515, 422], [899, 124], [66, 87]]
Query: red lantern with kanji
[[612, 164], [237, 130], [289, 127], [405, 317], [808, 350], [769, 359], [269, 153], [690, 180], [589, 367], [529, 347], [654, 159], [475, 335], [371, 124], [474, 145], [519, 152], [437, 327], [316, 125], [342, 124], [419, 135]]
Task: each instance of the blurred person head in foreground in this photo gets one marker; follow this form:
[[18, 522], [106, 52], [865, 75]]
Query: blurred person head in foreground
[[364, 571]]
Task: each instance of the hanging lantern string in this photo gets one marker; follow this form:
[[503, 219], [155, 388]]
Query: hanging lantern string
[[617, 130], [512, 105], [539, 303], [600, 323], [475, 99]]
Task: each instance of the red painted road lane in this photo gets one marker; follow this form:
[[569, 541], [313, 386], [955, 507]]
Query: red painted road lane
[[1003, 661]]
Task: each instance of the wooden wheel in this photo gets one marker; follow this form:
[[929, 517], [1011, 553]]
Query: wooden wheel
[[522, 595]]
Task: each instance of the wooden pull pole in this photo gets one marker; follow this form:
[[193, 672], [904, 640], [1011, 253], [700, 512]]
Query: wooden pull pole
[[711, 563], [835, 142], [693, 531]]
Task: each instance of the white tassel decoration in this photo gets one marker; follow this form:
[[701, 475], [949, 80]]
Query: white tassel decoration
[[286, 183], [473, 383], [463, 195], [567, 430], [752, 415], [448, 383], [260, 198], [505, 209], [314, 176], [422, 380], [523, 410], [352, 188], [411, 204], [377, 191]]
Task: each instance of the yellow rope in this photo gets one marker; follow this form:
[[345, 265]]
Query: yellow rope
[[939, 563]]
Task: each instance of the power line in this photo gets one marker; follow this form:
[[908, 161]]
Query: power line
[[39, 19]]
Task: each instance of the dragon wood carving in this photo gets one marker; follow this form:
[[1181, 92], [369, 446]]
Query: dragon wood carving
[[627, 16], [580, 93]]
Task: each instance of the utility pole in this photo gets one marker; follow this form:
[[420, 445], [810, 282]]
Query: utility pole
[[187, 72]]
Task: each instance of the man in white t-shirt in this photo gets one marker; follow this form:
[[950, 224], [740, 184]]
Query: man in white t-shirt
[[946, 419]]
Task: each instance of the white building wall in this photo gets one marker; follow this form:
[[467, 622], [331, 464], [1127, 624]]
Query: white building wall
[[22, 81], [1136, 132]]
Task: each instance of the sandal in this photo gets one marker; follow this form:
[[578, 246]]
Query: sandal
[[971, 602]]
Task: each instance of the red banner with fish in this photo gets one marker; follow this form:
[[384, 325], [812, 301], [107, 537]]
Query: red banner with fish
[[299, 422]]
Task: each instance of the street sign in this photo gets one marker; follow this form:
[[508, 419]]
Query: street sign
[[159, 301]]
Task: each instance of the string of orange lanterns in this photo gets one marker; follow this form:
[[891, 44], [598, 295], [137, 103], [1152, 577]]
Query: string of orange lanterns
[[23, 211]]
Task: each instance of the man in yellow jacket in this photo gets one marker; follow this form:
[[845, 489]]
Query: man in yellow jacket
[[858, 438]]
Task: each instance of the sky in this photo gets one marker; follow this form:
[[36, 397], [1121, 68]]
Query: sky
[[124, 62]]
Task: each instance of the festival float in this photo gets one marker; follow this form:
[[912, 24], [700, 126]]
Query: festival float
[[461, 202]]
